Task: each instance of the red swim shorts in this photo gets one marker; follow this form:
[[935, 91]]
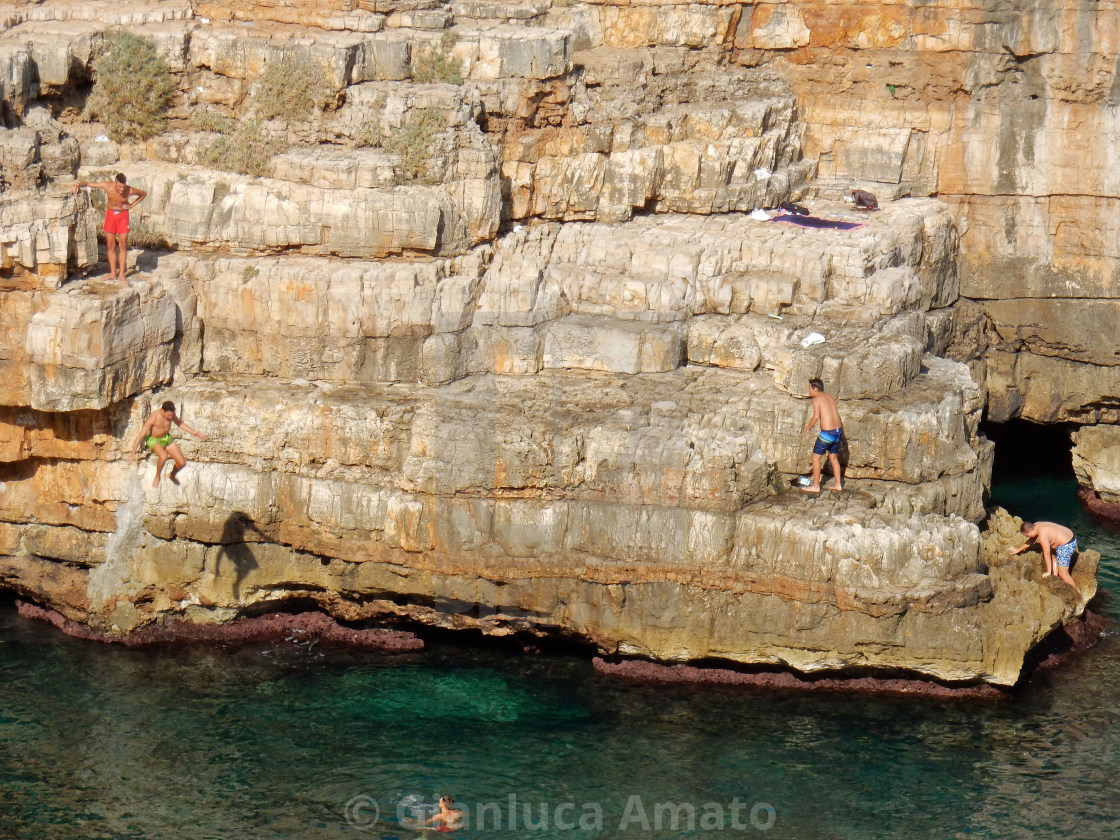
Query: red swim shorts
[[116, 221]]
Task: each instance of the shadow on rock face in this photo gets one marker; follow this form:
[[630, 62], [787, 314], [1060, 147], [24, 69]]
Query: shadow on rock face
[[235, 548]]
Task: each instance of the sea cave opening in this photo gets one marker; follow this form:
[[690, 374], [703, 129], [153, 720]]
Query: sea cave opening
[[1033, 478], [1032, 475], [1027, 451]]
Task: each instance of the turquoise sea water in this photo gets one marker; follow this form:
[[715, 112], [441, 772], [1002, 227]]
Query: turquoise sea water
[[290, 741]]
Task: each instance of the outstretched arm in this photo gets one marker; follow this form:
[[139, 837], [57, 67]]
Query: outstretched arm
[[97, 185], [179, 422], [1023, 547]]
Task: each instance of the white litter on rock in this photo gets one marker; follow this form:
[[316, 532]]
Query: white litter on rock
[[100, 138], [760, 215], [811, 339], [762, 173]]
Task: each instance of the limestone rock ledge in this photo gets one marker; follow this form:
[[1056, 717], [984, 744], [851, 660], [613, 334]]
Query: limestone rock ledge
[[599, 508], [646, 510], [555, 386]]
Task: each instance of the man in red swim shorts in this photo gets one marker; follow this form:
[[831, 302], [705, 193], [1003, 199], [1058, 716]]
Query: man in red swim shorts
[[119, 200]]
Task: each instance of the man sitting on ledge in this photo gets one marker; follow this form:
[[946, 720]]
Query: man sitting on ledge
[[156, 435]]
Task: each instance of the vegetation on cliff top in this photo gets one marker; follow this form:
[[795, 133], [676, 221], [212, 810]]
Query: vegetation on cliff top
[[292, 88], [242, 147], [437, 64], [133, 89]]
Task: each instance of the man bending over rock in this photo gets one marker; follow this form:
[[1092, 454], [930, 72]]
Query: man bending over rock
[[1058, 546], [119, 198], [830, 437], [156, 435]]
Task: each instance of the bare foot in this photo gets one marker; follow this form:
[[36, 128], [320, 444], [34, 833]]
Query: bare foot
[[1047, 574], [813, 488], [174, 475], [156, 482], [837, 489]]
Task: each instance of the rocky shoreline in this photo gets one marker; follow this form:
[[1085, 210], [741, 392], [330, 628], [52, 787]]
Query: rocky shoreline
[[304, 628], [311, 628], [1060, 647], [498, 333]]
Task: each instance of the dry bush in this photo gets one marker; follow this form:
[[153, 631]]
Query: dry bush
[[246, 150], [206, 119], [144, 235], [292, 88], [413, 142], [133, 89], [437, 64]]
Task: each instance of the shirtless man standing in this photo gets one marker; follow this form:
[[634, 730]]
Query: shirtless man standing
[[1058, 546], [119, 197], [830, 437], [156, 435]]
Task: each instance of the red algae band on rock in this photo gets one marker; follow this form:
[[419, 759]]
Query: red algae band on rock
[[645, 671], [1097, 506], [1064, 644], [308, 625]]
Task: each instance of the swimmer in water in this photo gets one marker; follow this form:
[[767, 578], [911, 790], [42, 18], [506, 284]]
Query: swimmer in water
[[449, 817]]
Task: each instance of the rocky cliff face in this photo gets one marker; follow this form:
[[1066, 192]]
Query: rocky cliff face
[[1008, 113], [536, 369]]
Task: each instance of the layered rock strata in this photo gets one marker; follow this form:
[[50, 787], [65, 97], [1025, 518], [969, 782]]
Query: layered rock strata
[[551, 381], [1007, 112]]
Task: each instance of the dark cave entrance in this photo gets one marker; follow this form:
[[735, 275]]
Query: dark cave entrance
[[1026, 451], [1032, 476]]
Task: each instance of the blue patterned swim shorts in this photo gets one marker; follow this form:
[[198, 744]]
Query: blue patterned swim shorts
[[1063, 554], [828, 441]]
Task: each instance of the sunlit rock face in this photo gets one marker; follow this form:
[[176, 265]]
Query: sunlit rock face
[[540, 369], [1008, 114]]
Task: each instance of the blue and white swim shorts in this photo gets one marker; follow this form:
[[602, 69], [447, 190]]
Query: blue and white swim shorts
[[1063, 554]]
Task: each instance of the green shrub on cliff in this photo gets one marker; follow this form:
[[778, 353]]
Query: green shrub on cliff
[[413, 141], [206, 119], [292, 88], [437, 64], [133, 89], [247, 150]]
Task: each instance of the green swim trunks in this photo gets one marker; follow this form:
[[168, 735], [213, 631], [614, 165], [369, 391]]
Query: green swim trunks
[[163, 441]]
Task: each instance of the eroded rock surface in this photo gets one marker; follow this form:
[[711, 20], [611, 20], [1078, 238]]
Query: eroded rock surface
[[542, 372]]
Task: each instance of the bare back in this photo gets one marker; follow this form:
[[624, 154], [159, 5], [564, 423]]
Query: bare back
[[1052, 533], [824, 406]]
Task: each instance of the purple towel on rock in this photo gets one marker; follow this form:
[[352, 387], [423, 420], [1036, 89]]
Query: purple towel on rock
[[814, 222]]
